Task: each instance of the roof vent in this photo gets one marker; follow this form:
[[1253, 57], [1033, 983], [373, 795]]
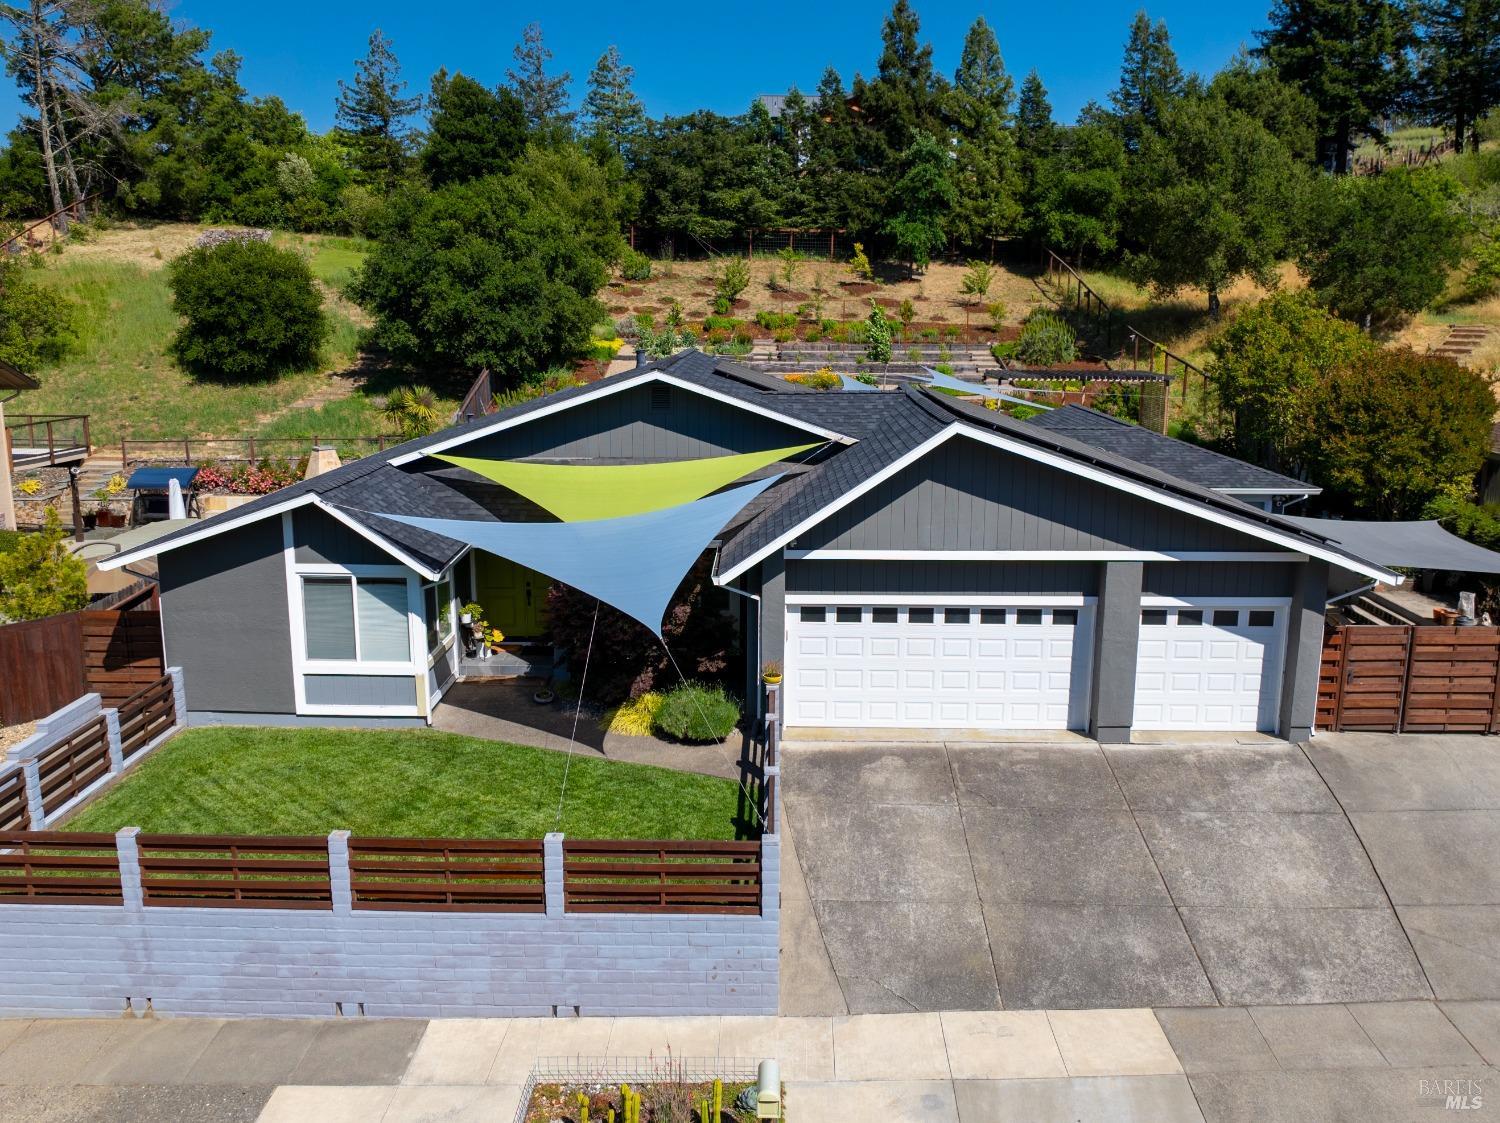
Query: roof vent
[[661, 396]]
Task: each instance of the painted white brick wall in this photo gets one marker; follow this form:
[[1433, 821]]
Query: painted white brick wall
[[91, 959]]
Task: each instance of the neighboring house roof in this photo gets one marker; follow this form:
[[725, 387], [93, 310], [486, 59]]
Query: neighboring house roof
[[774, 103], [1178, 458], [870, 437]]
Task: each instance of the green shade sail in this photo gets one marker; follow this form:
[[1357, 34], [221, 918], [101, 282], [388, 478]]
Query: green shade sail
[[585, 492]]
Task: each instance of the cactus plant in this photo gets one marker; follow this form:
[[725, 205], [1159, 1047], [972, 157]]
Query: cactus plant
[[718, 1100], [583, 1108]]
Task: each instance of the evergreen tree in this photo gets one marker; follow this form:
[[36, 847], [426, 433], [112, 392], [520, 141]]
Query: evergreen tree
[[1349, 57], [1253, 88], [1150, 80], [922, 199], [610, 108], [843, 187], [986, 174], [906, 96], [472, 131], [1212, 197], [544, 97], [371, 114], [1458, 80], [1034, 125]]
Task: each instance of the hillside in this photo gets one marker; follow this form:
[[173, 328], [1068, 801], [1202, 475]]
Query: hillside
[[121, 375]]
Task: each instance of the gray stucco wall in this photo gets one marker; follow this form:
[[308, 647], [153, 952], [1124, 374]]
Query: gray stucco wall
[[321, 539], [1117, 627], [1304, 652], [641, 425], [224, 620], [969, 496]]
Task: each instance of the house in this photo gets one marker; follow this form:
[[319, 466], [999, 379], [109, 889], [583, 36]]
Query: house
[[928, 563]]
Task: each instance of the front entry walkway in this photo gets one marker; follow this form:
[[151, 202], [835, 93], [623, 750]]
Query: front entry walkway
[[975, 876]]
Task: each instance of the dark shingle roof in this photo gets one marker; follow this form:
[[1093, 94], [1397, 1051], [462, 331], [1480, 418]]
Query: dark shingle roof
[[1178, 458], [883, 426]]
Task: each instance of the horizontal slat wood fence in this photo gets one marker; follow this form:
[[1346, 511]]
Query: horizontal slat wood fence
[[146, 715], [59, 868], [235, 871], [447, 874], [1410, 679], [47, 663], [14, 813], [73, 764], [661, 876]]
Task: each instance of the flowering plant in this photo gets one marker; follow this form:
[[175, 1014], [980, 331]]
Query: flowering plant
[[248, 479]]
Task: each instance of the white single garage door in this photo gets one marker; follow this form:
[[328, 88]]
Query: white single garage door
[[939, 665], [1207, 665]]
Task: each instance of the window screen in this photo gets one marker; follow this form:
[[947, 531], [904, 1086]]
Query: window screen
[[328, 611], [883, 615], [383, 637]]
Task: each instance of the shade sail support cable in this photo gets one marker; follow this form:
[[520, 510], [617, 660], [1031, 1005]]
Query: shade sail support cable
[[750, 800], [583, 682]]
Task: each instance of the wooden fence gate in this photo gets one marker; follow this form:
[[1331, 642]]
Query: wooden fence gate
[[1410, 679]]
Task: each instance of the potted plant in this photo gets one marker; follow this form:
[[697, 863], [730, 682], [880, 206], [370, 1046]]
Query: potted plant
[[770, 673], [496, 638], [107, 517], [470, 612]]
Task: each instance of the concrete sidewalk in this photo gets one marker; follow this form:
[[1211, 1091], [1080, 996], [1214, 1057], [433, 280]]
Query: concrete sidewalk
[[1371, 1062]]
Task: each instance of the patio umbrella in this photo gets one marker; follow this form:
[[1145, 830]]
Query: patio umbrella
[[633, 563], [580, 492]]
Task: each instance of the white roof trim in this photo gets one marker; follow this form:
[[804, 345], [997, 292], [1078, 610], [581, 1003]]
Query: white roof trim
[[1064, 463], [1302, 489], [614, 386], [214, 527]]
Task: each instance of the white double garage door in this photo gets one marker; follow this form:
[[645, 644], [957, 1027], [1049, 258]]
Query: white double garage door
[[1027, 663]]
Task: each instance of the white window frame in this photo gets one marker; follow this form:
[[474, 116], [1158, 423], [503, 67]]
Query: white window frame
[[413, 667]]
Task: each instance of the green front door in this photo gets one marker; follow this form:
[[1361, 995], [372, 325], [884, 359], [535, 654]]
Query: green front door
[[514, 597]]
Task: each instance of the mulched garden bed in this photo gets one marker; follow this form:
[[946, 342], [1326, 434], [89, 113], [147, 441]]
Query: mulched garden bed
[[858, 288]]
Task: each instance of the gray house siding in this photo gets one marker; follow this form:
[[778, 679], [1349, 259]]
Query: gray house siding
[[1221, 579], [360, 690], [939, 577], [224, 620], [320, 538], [968, 496], [651, 422]]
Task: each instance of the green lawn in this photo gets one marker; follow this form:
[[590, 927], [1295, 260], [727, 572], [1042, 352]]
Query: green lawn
[[407, 783]]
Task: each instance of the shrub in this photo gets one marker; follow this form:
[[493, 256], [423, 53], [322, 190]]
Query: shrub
[[39, 577], [722, 305], [788, 264], [698, 712], [733, 279], [720, 323], [996, 309], [36, 325], [859, 264], [635, 717], [635, 266], [878, 336], [1046, 340], [821, 379], [771, 321], [550, 381], [976, 282], [251, 310], [867, 378]]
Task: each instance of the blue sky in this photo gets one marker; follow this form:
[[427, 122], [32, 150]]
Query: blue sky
[[688, 55]]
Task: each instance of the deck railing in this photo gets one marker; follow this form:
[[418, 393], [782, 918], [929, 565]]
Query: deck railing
[[47, 438], [195, 450]]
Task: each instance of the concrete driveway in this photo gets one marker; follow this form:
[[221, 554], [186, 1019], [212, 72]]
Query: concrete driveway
[[982, 876]]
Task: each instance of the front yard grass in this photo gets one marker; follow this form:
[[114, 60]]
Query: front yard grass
[[404, 783]]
